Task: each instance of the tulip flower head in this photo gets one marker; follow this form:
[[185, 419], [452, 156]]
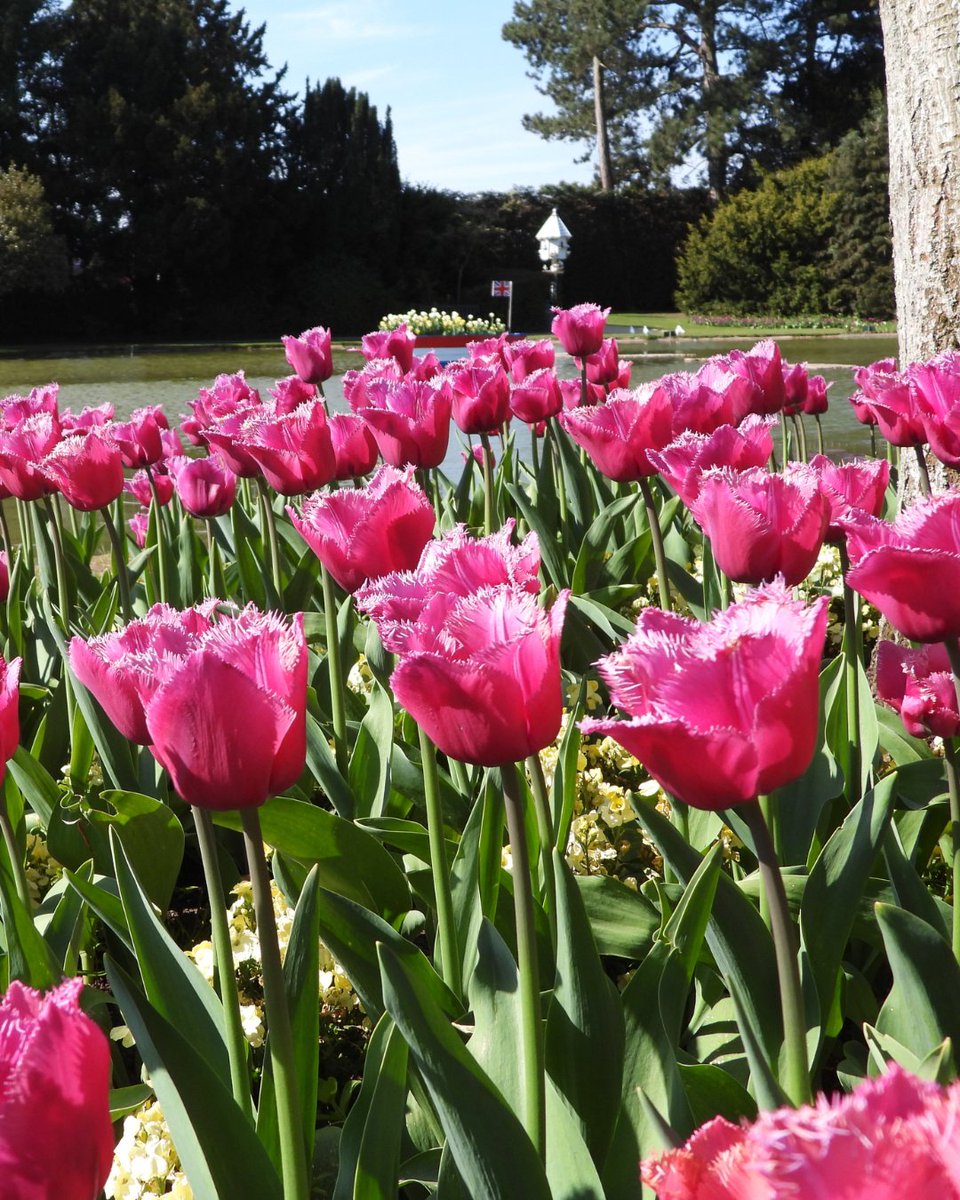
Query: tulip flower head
[[86, 468], [723, 711], [762, 366], [310, 354], [936, 388], [524, 357], [14, 409], [139, 486], [919, 685], [138, 439], [683, 461], [580, 329], [619, 434], [396, 343], [409, 420], [365, 532], [21, 453], [886, 393], [293, 450], [537, 397], [56, 1139], [206, 487], [354, 447], [856, 485], [9, 711], [481, 396]]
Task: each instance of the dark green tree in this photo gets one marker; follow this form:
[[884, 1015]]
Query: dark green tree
[[26, 61], [33, 257]]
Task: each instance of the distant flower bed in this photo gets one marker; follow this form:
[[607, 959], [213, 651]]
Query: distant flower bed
[[436, 322], [808, 321]]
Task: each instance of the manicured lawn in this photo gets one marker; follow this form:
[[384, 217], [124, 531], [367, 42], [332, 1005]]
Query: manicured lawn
[[662, 322]]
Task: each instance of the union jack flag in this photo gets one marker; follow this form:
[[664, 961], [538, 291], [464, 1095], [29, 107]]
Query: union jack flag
[[501, 287]]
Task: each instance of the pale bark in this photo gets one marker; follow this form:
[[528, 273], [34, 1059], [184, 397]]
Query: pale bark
[[603, 142], [922, 52]]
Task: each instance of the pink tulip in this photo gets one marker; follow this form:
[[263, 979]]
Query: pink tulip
[[357, 383], [56, 1139], [572, 392], [294, 451], [762, 366], [683, 461], [762, 525], [139, 526], [816, 402], [354, 446], [919, 685], [524, 357], [206, 487], [138, 439], [21, 453], [289, 393], [172, 446], [721, 712], [862, 409], [737, 391], [856, 485], [700, 404], [87, 418], [481, 677], [9, 711], [603, 366], [893, 1137], [225, 436], [40, 399], [619, 434], [228, 395], [396, 343], [87, 470], [537, 397], [887, 394], [804, 393], [481, 397], [936, 388], [489, 349], [580, 329], [366, 532], [910, 570], [456, 564], [139, 486], [310, 354], [4, 577], [410, 421]]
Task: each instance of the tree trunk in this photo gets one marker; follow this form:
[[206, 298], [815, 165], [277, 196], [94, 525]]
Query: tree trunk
[[922, 53], [603, 143], [715, 144]]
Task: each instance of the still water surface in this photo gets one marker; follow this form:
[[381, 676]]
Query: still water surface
[[172, 377]]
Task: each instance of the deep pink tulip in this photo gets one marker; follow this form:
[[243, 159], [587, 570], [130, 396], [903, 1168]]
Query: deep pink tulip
[[378, 371], [683, 461], [481, 397], [56, 1139], [294, 451], [919, 685], [15, 409], [87, 418], [537, 397], [139, 438], [4, 577], [723, 711], [816, 402], [489, 350], [892, 1137], [354, 446], [761, 365], [21, 453], [762, 525], [803, 392], [206, 487], [410, 421], [603, 366], [362, 533], [290, 392], [139, 526], [456, 564], [735, 391], [228, 395], [572, 392], [172, 445], [886, 393], [9, 713], [310, 354], [580, 329], [701, 404], [396, 343], [139, 486], [86, 468], [855, 485], [482, 677], [524, 357], [936, 388], [619, 434], [862, 409], [910, 570], [225, 438]]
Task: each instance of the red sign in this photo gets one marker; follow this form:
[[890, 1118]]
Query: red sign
[[501, 287]]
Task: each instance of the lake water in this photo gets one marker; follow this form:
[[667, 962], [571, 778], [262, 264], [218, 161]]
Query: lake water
[[139, 376]]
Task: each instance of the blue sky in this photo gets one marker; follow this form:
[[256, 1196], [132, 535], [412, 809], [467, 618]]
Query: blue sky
[[456, 89]]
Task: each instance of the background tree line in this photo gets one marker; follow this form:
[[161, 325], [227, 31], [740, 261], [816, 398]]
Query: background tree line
[[158, 179]]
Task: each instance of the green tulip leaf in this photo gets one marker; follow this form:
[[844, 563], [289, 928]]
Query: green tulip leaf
[[624, 922], [152, 837]]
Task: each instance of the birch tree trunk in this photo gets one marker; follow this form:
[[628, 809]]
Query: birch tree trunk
[[600, 116], [922, 52]]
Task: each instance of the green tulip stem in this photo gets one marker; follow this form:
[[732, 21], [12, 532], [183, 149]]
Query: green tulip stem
[[584, 386], [784, 438], [119, 563], [446, 921], [851, 674], [487, 484], [801, 435], [211, 559], [924, 474], [534, 452], [338, 703], [26, 532], [952, 646], [280, 1044], [63, 594], [797, 1070], [5, 533], [270, 533], [541, 806], [15, 855], [160, 527], [226, 979], [656, 538], [531, 1026], [816, 417], [551, 446]]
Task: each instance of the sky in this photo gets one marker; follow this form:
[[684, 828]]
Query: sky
[[456, 89]]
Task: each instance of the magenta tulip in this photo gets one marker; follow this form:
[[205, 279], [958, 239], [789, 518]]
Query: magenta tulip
[[481, 396], [735, 391], [892, 1137], [138, 439], [936, 388], [855, 485], [816, 402], [762, 525], [723, 711], [537, 397], [619, 434], [683, 461], [603, 366], [206, 487], [56, 1138], [580, 329], [289, 393], [225, 436], [919, 685], [4, 577], [21, 452], [410, 421], [761, 365], [886, 393], [396, 343], [910, 570], [356, 384], [139, 525], [365, 532], [481, 677], [701, 404], [9, 711], [310, 354], [354, 446], [228, 395], [524, 357], [87, 418], [294, 451], [139, 486], [572, 392], [15, 409], [87, 469]]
